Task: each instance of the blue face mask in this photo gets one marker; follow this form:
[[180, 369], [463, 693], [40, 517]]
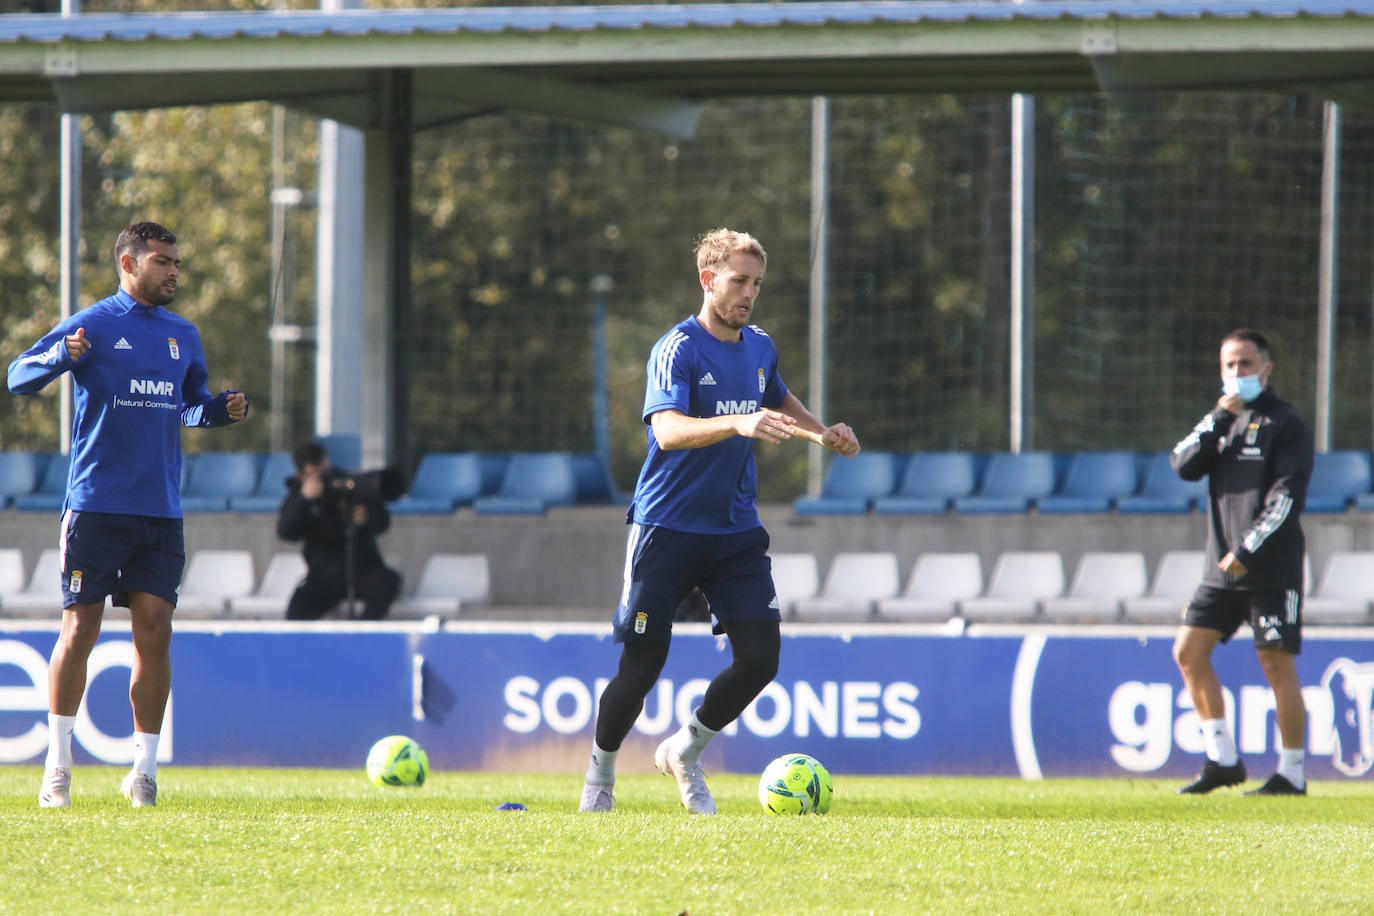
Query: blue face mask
[[1247, 386]]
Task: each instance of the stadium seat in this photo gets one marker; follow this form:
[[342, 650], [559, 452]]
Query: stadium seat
[[851, 485], [215, 477], [51, 491], [1100, 584], [345, 450], [1176, 578], [1338, 479], [939, 581], [1020, 581], [494, 466], [1163, 492], [1012, 482], [284, 572], [930, 483], [11, 573], [796, 576], [534, 482], [267, 496], [1346, 589], [853, 586], [1093, 482], [443, 482], [448, 582], [594, 484], [41, 596], [211, 579], [18, 475]]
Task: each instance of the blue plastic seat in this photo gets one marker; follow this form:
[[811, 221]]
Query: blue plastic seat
[[443, 482], [1013, 482], [1339, 479], [594, 484], [1163, 492], [18, 475], [1093, 482], [345, 450], [851, 485], [930, 483], [534, 483], [212, 478], [494, 466], [267, 496], [51, 491]]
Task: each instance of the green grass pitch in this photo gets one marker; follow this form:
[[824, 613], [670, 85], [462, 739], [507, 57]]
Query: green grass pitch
[[324, 841]]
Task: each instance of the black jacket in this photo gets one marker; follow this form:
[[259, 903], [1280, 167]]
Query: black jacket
[[323, 524], [1257, 466]]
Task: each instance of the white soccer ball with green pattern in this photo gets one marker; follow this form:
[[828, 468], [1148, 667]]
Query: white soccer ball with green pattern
[[397, 761]]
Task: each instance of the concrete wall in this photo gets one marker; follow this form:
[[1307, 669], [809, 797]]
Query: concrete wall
[[573, 558]]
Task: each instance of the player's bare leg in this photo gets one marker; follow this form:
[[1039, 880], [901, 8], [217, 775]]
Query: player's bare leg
[[150, 683], [1281, 670], [66, 685], [1193, 647]]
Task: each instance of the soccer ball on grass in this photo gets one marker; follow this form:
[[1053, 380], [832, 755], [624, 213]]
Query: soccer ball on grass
[[397, 761], [795, 784]]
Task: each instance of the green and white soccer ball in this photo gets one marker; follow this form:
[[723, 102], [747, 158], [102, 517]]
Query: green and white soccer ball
[[397, 761], [795, 784]]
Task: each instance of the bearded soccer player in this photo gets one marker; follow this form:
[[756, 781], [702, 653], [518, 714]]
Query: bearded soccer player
[[713, 389]]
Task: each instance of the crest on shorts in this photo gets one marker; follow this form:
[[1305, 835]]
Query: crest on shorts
[[763, 383], [641, 622], [74, 582], [172, 348]]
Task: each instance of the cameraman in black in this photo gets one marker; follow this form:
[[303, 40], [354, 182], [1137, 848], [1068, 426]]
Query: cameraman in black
[[337, 519]]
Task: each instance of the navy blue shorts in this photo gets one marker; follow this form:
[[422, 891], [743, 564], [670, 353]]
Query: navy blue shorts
[[1275, 617], [105, 554], [662, 566]]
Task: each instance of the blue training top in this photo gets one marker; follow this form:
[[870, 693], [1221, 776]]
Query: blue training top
[[710, 490], [143, 378]]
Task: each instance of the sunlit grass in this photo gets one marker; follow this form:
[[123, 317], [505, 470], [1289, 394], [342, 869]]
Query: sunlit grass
[[323, 841]]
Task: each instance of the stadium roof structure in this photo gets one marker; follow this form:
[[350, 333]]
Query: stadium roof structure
[[390, 73], [651, 66]]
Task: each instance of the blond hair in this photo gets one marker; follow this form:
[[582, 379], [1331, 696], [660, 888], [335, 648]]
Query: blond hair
[[715, 247]]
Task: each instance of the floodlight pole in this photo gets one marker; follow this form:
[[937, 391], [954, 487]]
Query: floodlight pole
[[1327, 271], [820, 253], [1022, 303], [71, 243]]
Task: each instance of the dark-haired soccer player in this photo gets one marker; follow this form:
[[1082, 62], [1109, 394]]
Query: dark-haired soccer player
[[139, 375], [713, 387], [1256, 451]]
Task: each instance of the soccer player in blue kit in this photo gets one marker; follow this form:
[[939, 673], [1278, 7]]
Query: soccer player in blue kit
[[713, 387], [139, 375]]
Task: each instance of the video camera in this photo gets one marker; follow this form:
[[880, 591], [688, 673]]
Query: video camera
[[385, 485]]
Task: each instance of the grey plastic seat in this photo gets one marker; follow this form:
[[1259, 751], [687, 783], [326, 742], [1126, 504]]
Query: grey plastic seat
[[853, 586], [796, 576], [1021, 579], [1346, 589], [447, 582], [1175, 579], [1102, 581], [939, 581]]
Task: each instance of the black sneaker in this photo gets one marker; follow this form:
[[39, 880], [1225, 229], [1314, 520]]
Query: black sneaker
[[1216, 776], [1278, 785]]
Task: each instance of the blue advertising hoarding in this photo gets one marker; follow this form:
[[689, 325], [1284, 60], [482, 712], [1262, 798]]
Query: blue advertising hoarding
[[878, 700]]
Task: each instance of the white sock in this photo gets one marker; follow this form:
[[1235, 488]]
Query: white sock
[[145, 753], [601, 771], [1221, 747], [692, 739], [59, 741], [1290, 766]]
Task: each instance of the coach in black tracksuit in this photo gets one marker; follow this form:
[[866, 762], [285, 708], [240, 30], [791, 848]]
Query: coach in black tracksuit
[[1256, 452]]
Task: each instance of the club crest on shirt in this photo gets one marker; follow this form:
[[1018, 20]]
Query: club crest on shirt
[[762, 382], [172, 348]]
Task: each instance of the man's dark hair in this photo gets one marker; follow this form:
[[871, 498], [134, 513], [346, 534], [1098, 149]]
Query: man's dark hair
[[134, 239], [1245, 335], [308, 453]]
